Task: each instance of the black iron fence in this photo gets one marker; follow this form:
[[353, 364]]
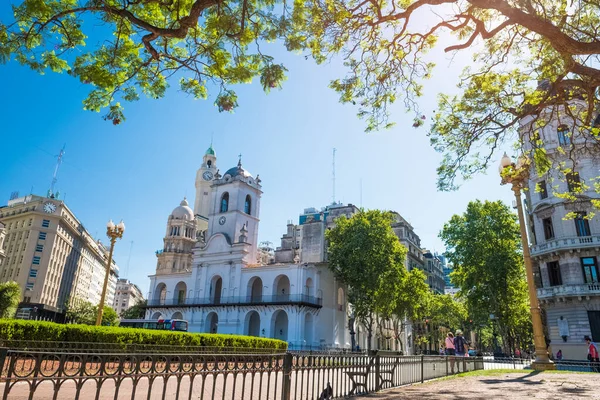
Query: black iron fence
[[150, 375], [301, 299]]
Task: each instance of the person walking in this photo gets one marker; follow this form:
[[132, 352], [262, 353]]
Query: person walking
[[592, 355], [450, 349], [460, 344], [559, 355]]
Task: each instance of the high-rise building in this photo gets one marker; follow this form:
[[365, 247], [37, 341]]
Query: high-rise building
[[52, 257], [127, 294], [564, 237]]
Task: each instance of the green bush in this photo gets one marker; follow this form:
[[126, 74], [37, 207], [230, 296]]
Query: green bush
[[39, 331]]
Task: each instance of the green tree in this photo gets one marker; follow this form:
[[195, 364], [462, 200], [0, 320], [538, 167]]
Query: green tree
[[109, 316], [529, 58], [485, 247], [146, 44], [365, 255], [412, 302], [84, 312], [10, 296], [136, 311], [81, 312]]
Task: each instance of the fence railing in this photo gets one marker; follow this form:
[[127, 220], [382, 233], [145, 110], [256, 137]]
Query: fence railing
[[301, 299], [85, 375]]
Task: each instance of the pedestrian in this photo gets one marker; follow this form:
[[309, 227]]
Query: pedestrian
[[450, 349], [460, 345], [559, 355], [592, 355]]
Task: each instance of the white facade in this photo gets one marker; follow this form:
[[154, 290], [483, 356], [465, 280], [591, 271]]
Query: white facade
[[216, 282], [565, 250]]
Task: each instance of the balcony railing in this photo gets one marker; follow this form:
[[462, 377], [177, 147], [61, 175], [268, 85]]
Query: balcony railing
[[565, 243], [299, 299], [584, 289]]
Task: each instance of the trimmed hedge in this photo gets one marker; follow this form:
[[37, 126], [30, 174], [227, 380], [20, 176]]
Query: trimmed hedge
[[39, 331]]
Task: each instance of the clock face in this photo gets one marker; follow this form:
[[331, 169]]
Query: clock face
[[49, 207], [222, 220], [207, 175]]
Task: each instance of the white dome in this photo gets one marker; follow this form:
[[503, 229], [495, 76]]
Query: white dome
[[183, 211]]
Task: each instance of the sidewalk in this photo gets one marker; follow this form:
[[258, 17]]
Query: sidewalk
[[502, 385]]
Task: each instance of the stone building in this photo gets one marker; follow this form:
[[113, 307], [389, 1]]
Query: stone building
[[2, 236], [564, 237], [435, 272], [127, 294], [52, 257], [407, 236], [218, 282]]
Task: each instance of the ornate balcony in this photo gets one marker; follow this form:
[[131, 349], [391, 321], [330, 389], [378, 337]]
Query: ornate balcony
[[283, 299], [581, 290], [565, 243]]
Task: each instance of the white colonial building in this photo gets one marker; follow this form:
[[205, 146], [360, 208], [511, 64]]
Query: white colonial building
[[209, 273]]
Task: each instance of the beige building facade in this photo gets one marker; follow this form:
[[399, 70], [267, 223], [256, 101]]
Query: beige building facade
[[127, 294], [52, 257]]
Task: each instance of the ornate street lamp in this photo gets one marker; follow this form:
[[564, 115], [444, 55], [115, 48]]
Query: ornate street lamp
[[113, 232], [518, 176]]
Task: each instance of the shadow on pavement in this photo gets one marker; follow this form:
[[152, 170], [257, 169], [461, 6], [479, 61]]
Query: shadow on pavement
[[521, 379]]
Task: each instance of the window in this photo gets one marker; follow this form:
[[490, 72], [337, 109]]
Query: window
[[33, 273], [573, 182], [564, 136], [248, 204], [29, 286], [548, 228], [590, 269], [181, 297], [543, 190], [582, 224], [26, 299], [42, 236], [39, 247], [36, 260], [45, 223], [594, 318], [225, 202], [554, 273], [209, 163], [30, 220]]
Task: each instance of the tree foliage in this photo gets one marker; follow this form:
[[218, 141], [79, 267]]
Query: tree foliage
[[365, 254], [136, 311], [147, 43], [10, 296], [485, 247], [85, 313], [530, 57]]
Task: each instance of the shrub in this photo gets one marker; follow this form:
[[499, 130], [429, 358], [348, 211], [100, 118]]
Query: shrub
[[40, 331], [10, 294]]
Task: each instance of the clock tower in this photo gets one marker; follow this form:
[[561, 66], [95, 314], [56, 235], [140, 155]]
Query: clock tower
[[204, 178]]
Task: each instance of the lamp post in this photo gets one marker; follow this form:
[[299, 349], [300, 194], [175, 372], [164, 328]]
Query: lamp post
[[518, 175], [113, 232]]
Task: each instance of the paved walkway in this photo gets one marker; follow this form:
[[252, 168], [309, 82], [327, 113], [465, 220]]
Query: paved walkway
[[514, 386]]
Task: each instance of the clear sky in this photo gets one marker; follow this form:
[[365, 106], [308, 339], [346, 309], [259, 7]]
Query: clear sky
[[139, 171]]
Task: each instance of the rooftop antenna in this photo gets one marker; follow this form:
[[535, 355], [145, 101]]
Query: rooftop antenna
[[54, 177], [128, 260], [14, 195], [361, 193], [333, 174]]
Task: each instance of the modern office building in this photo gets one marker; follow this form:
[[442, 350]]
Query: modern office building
[[50, 254]]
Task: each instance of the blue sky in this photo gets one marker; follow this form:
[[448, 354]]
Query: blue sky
[[139, 171]]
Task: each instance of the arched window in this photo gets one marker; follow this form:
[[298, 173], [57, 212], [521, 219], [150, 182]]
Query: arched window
[[248, 205], [225, 202], [209, 163]]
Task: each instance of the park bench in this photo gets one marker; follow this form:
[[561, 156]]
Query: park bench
[[360, 378]]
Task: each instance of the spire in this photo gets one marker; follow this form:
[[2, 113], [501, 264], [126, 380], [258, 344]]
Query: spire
[[240, 160]]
